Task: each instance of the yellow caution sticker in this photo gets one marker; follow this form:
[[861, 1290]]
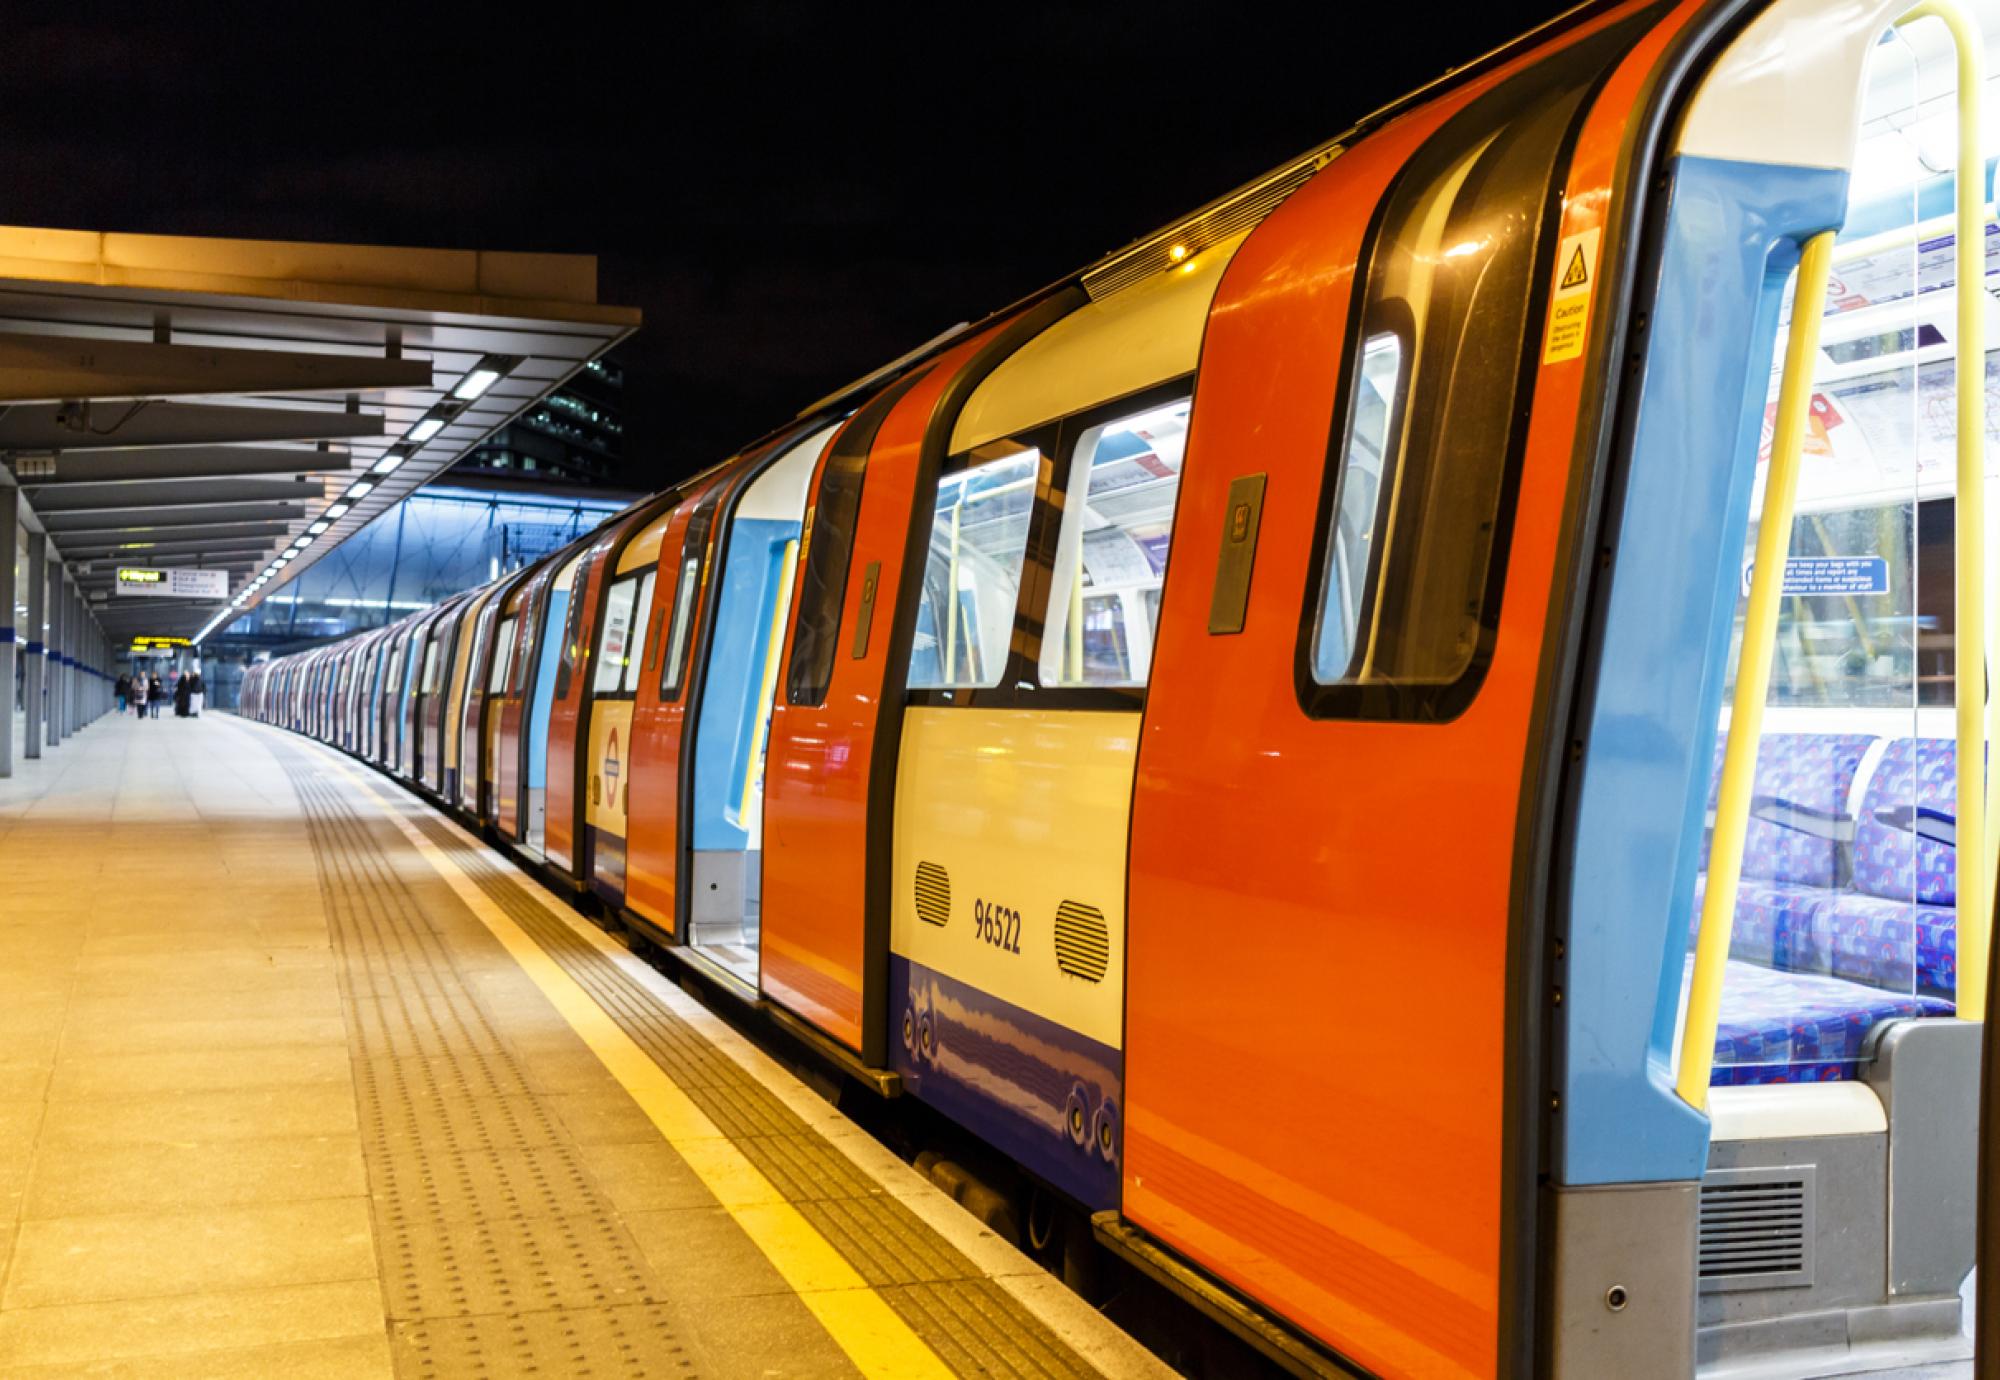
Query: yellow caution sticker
[[1569, 304]]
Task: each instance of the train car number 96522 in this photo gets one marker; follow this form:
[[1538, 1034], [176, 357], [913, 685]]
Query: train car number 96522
[[999, 926]]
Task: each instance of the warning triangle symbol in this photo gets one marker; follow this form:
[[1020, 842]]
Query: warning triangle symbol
[[1576, 275]]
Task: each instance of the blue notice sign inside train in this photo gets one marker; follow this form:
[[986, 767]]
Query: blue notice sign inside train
[[1831, 575]]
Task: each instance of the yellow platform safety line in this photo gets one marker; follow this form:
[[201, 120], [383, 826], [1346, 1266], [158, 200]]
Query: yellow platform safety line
[[860, 1322], [1753, 673]]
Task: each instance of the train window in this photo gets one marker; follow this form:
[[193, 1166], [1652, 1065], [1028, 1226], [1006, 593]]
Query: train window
[[829, 548], [503, 657], [1357, 503], [684, 591], [614, 641], [1112, 552], [524, 662], [972, 574], [431, 665], [694, 568], [641, 620], [1422, 465], [572, 635]]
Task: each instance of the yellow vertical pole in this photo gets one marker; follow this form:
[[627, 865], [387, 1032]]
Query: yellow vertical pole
[[1073, 638], [1753, 673], [768, 690], [951, 603], [1975, 848]]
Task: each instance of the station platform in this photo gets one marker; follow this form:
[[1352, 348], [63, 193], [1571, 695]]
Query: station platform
[[298, 1078]]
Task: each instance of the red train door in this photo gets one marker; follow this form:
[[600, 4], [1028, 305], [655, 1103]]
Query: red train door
[[509, 717], [1323, 1082], [659, 712], [836, 726], [569, 718], [572, 676]]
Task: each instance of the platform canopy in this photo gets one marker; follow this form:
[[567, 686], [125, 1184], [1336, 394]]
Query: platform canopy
[[171, 402]]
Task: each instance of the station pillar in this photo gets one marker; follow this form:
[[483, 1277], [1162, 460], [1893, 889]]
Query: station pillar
[[75, 653], [10, 517], [57, 589], [33, 680]]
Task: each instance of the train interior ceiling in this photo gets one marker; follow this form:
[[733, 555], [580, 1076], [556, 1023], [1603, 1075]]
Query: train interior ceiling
[[731, 647]]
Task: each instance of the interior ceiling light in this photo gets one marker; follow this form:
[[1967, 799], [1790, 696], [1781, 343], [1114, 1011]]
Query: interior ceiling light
[[319, 527], [387, 463], [359, 489], [426, 428], [339, 510]]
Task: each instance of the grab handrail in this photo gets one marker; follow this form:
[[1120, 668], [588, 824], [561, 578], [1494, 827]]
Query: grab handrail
[[1753, 673], [1760, 624], [1975, 851], [767, 685]]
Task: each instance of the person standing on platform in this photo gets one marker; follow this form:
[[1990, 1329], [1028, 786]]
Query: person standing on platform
[[183, 694], [136, 694], [122, 687], [155, 693], [197, 692]]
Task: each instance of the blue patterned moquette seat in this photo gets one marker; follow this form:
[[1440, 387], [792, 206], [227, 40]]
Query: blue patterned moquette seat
[[1898, 927], [1792, 849], [1800, 1027]]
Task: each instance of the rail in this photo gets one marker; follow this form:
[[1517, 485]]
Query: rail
[[1774, 532], [774, 643]]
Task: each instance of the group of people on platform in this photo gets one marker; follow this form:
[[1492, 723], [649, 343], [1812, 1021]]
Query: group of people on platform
[[146, 694]]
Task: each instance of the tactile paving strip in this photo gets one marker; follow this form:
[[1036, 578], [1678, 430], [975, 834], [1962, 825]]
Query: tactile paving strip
[[973, 1324], [499, 1255]]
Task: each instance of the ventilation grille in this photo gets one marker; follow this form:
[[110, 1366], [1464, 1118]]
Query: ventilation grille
[[1757, 1228], [933, 894], [1211, 225], [1083, 941]]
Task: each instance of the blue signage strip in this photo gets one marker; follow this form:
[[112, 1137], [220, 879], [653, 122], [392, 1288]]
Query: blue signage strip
[[1808, 575]]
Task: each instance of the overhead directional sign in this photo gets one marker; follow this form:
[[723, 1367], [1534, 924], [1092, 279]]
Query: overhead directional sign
[[176, 583]]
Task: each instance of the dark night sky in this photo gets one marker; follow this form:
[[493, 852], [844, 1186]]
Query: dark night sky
[[792, 193]]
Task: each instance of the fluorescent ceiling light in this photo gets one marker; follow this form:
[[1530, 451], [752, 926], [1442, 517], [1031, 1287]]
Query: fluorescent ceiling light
[[318, 527], [476, 381], [339, 510], [426, 428], [360, 488], [386, 463]]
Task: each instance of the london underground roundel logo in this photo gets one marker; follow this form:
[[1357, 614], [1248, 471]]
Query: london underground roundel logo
[[611, 766]]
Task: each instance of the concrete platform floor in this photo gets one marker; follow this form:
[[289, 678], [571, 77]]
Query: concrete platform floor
[[298, 1080]]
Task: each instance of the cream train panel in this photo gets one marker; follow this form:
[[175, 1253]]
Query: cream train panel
[[1007, 932], [1144, 335], [610, 750]]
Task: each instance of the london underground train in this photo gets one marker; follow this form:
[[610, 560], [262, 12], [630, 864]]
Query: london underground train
[[1396, 743]]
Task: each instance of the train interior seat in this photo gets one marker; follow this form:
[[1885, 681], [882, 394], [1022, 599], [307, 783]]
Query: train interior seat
[[1849, 874], [760, 559], [1837, 1217]]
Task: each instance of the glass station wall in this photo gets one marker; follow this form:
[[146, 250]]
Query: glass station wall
[[427, 548]]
